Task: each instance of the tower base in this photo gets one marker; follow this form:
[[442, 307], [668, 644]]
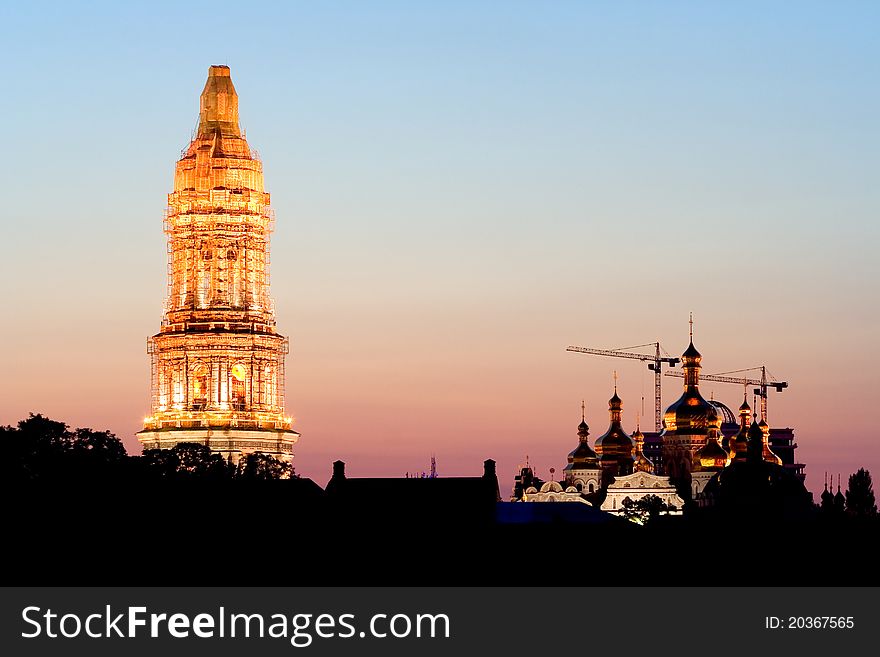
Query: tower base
[[231, 443]]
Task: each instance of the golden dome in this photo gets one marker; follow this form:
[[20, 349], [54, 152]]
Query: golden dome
[[713, 418], [691, 356], [638, 438], [740, 442], [615, 444], [711, 457], [691, 414], [615, 403], [766, 453], [582, 456], [642, 462]]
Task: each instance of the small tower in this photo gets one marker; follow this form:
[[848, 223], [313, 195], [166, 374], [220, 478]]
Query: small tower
[[687, 422], [642, 462], [583, 470], [755, 447], [767, 454], [839, 500], [827, 498], [740, 442], [615, 447]]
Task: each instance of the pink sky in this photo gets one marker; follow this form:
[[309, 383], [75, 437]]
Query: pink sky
[[460, 194]]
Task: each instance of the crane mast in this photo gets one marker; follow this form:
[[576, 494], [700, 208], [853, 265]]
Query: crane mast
[[655, 364]]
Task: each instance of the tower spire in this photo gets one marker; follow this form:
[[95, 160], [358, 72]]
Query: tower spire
[[690, 361], [218, 104]]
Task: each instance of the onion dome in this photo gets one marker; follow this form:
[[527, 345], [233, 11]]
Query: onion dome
[[711, 457], [615, 403], [615, 446], [690, 414], [767, 453], [583, 429], [713, 420], [583, 457], [642, 462], [827, 496], [755, 447], [724, 412], [691, 355], [729, 424], [739, 443], [839, 500]]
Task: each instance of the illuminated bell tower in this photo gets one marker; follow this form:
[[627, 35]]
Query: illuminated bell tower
[[217, 361]]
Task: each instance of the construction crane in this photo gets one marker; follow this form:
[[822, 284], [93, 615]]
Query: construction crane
[[656, 363], [766, 381]]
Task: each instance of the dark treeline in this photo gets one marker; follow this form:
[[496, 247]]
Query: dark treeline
[[49, 452], [79, 510]]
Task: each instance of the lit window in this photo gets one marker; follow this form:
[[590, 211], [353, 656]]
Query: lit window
[[239, 375]]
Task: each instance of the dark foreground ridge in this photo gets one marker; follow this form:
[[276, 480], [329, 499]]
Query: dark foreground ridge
[[79, 511], [205, 533]]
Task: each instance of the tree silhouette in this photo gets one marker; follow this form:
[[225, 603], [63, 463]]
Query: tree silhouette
[[185, 462], [860, 494], [40, 449], [45, 450], [261, 467], [645, 509]]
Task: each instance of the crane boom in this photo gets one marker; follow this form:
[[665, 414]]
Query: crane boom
[[763, 383], [655, 365]]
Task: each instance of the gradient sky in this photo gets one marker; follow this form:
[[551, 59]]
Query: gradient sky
[[462, 190]]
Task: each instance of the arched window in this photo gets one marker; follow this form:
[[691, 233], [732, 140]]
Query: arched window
[[592, 488], [199, 395], [239, 389], [177, 386], [269, 386]]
